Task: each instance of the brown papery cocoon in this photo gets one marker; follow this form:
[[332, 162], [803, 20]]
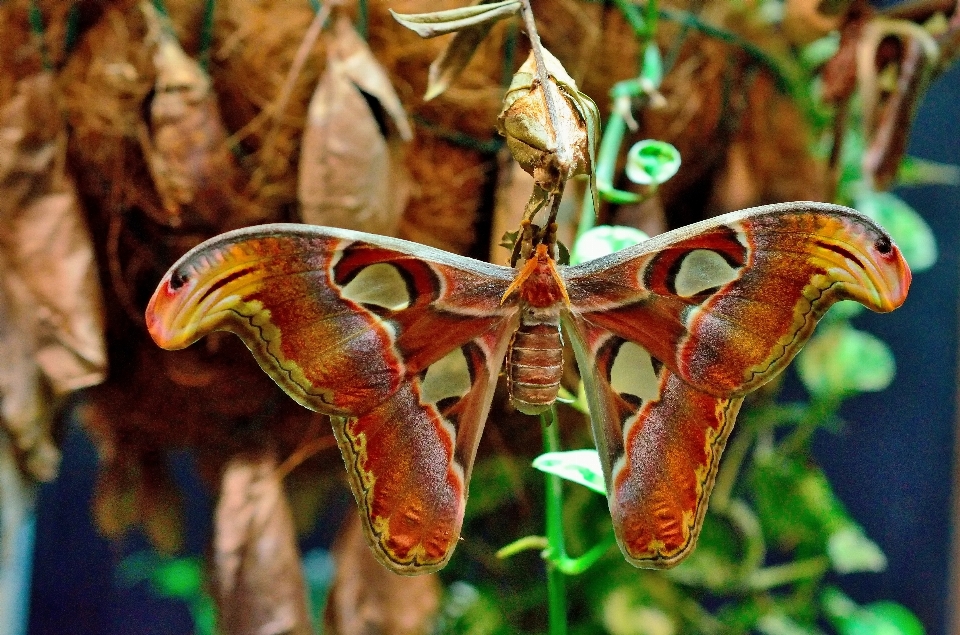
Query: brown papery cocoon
[[350, 175], [258, 581], [51, 313]]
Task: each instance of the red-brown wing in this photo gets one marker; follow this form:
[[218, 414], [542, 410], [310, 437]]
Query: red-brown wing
[[400, 343], [409, 458], [659, 441], [727, 303], [670, 335]]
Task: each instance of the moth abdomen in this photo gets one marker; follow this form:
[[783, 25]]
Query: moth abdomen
[[534, 366]]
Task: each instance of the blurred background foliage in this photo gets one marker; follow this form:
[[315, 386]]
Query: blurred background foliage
[[733, 104]]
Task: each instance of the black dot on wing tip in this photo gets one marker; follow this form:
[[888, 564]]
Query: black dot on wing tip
[[177, 280], [883, 245]]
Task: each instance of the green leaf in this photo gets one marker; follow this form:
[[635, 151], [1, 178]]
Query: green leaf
[[604, 240], [795, 502], [509, 240], [912, 234], [204, 614], [179, 578], [844, 310], [777, 623], [436, 23], [879, 618], [898, 616], [816, 53], [850, 551], [563, 254], [651, 162], [579, 466], [917, 171], [840, 360], [625, 614]]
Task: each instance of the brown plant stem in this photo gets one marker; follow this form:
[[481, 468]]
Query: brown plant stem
[[542, 75]]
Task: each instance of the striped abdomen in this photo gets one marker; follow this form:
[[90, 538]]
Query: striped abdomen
[[534, 366]]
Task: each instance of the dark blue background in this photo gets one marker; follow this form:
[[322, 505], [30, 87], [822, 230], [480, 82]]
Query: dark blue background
[[892, 465]]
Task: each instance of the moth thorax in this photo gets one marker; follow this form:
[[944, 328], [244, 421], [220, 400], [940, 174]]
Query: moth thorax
[[534, 367]]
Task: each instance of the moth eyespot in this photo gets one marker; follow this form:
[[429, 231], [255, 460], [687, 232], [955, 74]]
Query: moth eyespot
[[177, 280], [883, 245]]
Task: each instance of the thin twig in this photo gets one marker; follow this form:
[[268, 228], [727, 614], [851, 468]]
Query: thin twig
[[280, 105], [304, 452], [542, 75]]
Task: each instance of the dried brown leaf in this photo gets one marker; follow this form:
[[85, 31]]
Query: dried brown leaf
[[446, 68], [362, 68], [51, 315], [350, 175], [367, 598], [258, 580], [193, 170], [887, 114]]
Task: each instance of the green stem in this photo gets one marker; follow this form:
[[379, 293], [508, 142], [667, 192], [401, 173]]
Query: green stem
[[576, 566], [633, 16], [557, 550], [35, 17], [206, 34], [733, 459], [785, 77], [362, 18], [820, 410], [770, 577], [527, 543], [607, 160]]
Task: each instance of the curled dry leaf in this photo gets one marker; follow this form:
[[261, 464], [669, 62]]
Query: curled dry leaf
[[455, 57], [51, 314], [193, 170], [350, 175], [258, 581], [471, 25], [552, 152], [443, 22], [367, 598], [887, 114]]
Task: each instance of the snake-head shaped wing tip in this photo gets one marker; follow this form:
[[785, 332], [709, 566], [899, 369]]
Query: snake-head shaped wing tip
[[163, 312], [201, 292], [881, 273], [895, 273]]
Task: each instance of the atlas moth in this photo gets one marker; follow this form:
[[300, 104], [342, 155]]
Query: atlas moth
[[402, 345]]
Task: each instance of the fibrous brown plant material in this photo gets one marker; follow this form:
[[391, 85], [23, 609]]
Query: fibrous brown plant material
[[367, 598], [258, 580], [351, 175], [51, 313]]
